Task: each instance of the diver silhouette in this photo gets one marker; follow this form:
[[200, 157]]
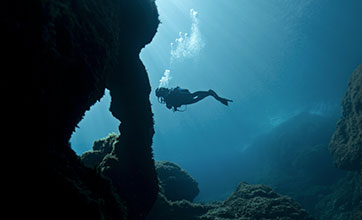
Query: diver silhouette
[[175, 97]]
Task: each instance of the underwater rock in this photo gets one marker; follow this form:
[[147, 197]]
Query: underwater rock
[[75, 191], [345, 200], [59, 56], [346, 143], [252, 202], [116, 167], [177, 187], [100, 149], [165, 209], [247, 202], [176, 183], [129, 167]]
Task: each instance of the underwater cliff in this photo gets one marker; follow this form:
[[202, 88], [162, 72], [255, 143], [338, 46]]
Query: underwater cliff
[[346, 149], [346, 143]]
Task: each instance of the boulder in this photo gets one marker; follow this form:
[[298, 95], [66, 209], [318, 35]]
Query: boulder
[[100, 149], [176, 183], [252, 202]]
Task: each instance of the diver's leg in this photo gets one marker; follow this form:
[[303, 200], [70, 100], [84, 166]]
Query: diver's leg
[[222, 100], [197, 96], [213, 93]]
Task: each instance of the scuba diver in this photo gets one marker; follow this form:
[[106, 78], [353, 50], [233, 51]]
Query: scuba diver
[[175, 97]]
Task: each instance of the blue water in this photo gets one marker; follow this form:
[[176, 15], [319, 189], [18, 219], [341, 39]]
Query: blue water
[[274, 59]]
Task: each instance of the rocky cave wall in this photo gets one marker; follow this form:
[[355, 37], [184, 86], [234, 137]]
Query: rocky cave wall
[[346, 149], [61, 55], [346, 143]]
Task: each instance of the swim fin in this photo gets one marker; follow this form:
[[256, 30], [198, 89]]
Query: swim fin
[[224, 101]]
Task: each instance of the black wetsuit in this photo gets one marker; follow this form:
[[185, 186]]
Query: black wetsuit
[[177, 97]]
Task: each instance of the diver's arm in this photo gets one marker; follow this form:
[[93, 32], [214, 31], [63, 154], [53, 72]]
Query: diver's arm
[[169, 106]]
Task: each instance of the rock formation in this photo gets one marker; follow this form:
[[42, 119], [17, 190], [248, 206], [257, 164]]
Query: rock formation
[[60, 56], [346, 143], [252, 202], [346, 148], [247, 202], [176, 183], [100, 149], [178, 189], [165, 209]]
